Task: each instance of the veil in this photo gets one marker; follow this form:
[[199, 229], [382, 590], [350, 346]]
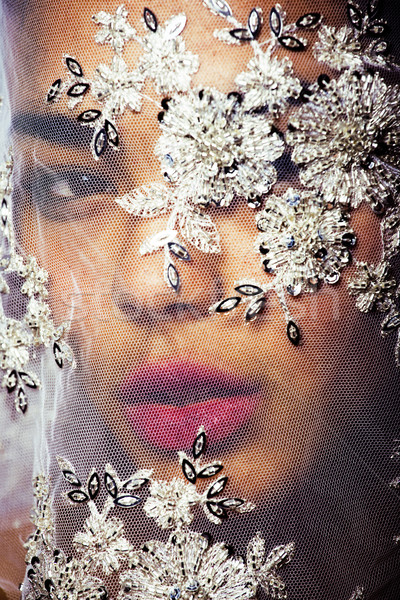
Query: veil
[[200, 323]]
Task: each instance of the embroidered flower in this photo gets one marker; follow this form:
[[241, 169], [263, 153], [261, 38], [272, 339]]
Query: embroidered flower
[[117, 88], [339, 48], [373, 286], [264, 569], [303, 241], [346, 138], [15, 342], [186, 566], [102, 544], [166, 60], [115, 29], [170, 503], [42, 519], [342, 49], [211, 149], [269, 81], [57, 577]]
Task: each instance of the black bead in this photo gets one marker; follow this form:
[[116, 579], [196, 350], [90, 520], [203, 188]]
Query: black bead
[[263, 250], [165, 102], [160, 116], [349, 240], [266, 267], [293, 333]]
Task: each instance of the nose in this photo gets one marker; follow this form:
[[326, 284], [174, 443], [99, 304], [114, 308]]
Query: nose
[[141, 294]]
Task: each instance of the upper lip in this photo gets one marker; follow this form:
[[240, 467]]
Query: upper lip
[[182, 382]]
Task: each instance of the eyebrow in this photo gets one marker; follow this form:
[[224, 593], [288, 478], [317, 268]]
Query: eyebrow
[[53, 128]]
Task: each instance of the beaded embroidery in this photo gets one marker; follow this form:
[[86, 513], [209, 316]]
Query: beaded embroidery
[[214, 147], [19, 338], [187, 564]]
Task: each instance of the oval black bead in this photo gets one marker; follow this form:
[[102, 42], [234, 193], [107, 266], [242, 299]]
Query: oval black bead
[[165, 102], [160, 116], [255, 309], [293, 333], [391, 324]]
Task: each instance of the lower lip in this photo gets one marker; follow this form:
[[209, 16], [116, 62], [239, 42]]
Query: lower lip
[[174, 428]]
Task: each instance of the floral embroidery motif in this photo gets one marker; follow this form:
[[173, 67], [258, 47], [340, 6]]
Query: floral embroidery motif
[[269, 82], [165, 60], [345, 138], [212, 149], [374, 287], [18, 339], [187, 564], [118, 87]]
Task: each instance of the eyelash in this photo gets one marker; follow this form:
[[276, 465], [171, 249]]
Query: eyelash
[[60, 195]]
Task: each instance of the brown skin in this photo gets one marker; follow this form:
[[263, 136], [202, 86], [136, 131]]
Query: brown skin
[[98, 254]]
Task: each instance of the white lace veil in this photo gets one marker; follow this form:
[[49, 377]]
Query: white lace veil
[[156, 174]]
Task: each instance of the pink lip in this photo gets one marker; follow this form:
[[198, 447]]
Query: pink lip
[[165, 403]]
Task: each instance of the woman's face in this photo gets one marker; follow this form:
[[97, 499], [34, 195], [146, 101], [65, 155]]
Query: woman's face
[[155, 364]]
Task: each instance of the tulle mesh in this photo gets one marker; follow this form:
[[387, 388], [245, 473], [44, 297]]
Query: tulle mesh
[[313, 452]]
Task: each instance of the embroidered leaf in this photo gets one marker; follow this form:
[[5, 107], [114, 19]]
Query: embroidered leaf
[[220, 7], [248, 289], [139, 479], [216, 510], [226, 305], [390, 323], [89, 116], [11, 380], [380, 47], [217, 487], [309, 21], [255, 553], [189, 471], [171, 277], [174, 26], [275, 22], [110, 485], [179, 251], [355, 15], [71, 478], [231, 503], [77, 90], [210, 471], [148, 201], [54, 91], [112, 133], [73, 66], [150, 20], [241, 34], [293, 333], [77, 496], [255, 309], [291, 43], [377, 28], [199, 444], [157, 241], [21, 401], [29, 379], [93, 485], [127, 501], [99, 143], [58, 355], [198, 229], [254, 22]]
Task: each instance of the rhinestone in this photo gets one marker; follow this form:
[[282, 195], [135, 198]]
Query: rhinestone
[[175, 593], [332, 277], [294, 290]]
